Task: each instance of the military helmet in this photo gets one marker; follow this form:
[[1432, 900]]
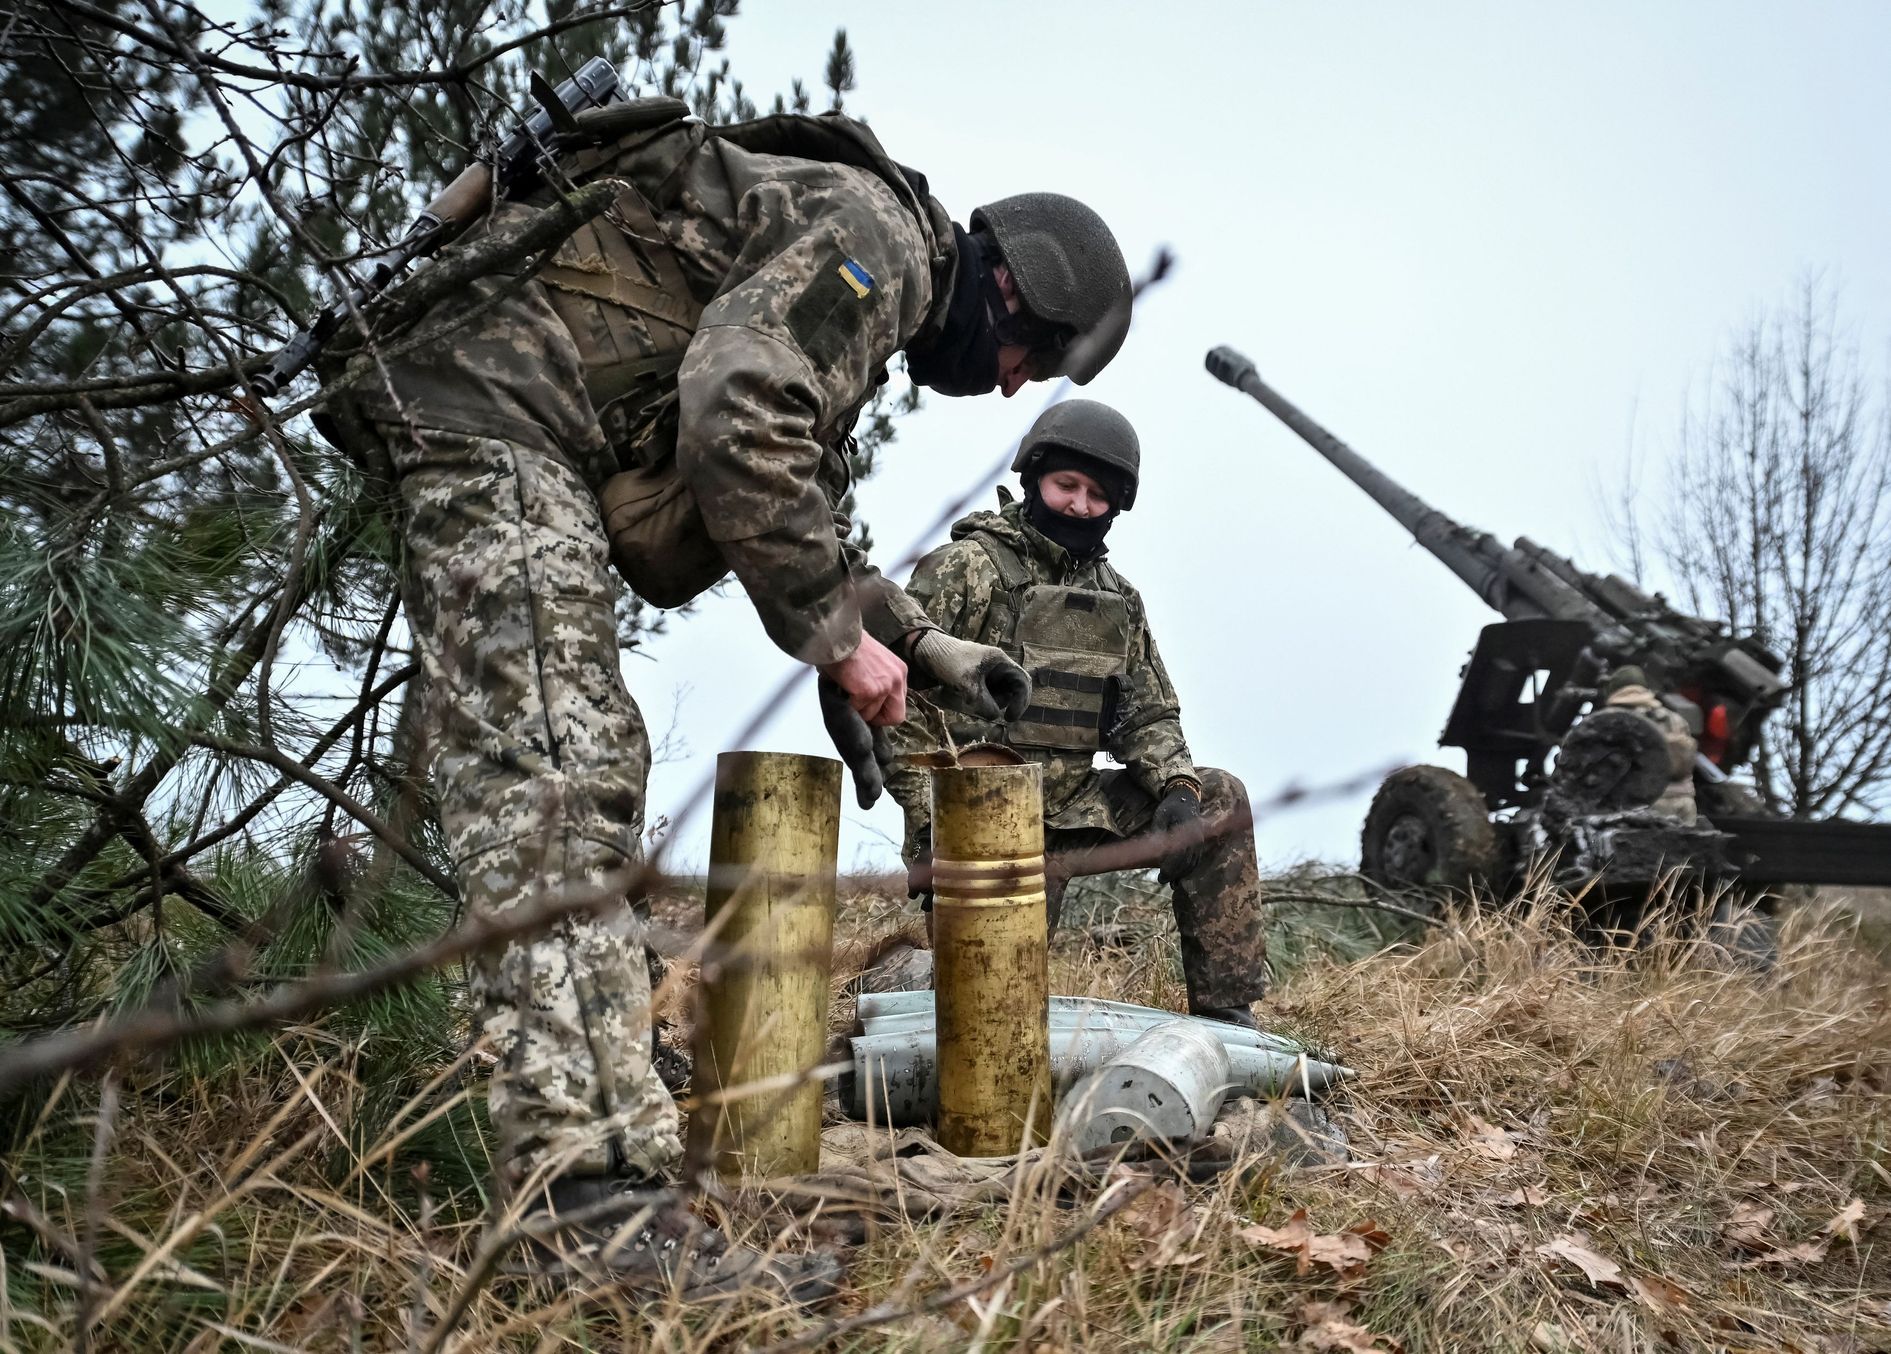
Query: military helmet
[[1069, 273], [1089, 428], [1625, 676]]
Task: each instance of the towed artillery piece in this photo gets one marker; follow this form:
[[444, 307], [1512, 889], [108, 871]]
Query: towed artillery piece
[[1549, 779]]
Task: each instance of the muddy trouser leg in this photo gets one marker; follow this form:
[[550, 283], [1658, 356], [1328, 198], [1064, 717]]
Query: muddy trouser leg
[[1058, 848], [1218, 905]]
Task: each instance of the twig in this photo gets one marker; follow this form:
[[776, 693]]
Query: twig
[[455, 74], [361, 813], [150, 1029]]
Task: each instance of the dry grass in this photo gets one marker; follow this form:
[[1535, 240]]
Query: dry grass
[[1556, 1147]]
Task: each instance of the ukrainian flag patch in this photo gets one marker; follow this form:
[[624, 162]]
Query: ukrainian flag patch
[[856, 277]]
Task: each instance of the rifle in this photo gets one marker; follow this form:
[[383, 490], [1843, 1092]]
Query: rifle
[[513, 164]]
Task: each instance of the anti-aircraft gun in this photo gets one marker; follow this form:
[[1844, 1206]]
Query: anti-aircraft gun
[[1549, 777]]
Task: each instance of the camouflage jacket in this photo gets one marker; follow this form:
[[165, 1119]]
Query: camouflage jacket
[[956, 585], [801, 278]]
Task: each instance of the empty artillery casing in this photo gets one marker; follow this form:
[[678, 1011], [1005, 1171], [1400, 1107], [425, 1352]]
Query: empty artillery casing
[[770, 914], [990, 946]]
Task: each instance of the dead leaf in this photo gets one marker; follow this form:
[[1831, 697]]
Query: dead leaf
[[1316, 1310], [1527, 1196], [1805, 1253], [1375, 1236], [1162, 1218], [1292, 1238], [1503, 1236], [1746, 1229], [1845, 1224], [1328, 1328], [1490, 1141], [1599, 1269], [1659, 1295], [1333, 1334], [1345, 1252], [1547, 1335]]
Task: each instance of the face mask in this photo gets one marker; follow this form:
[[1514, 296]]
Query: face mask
[[962, 358], [1081, 536]]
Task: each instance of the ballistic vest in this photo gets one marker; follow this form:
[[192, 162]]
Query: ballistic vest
[[1073, 641]]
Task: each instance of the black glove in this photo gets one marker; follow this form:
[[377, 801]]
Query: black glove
[[919, 877], [989, 683], [865, 750], [1178, 822]]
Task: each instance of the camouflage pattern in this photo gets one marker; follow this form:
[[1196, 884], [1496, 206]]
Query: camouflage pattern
[[500, 430], [1677, 801], [784, 355], [540, 777], [1218, 905]]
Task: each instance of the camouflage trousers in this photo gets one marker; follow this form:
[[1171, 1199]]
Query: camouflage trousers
[[1217, 904], [541, 756]]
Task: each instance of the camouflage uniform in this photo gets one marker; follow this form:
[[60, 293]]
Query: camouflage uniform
[[705, 319], [1677, 800], [964, 590]]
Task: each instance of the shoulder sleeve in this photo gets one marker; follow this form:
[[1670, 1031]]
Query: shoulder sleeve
[[830, 270]]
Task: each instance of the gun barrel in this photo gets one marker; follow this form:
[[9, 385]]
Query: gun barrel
[[1474, 556]]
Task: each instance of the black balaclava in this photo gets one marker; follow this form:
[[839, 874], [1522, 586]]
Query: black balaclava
[[1081, 536], [962, 358]]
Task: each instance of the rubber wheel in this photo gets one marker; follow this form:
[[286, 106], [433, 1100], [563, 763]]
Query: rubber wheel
[[1428, 829]]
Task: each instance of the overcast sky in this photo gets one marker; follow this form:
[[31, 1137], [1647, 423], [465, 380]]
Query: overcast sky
[[1491, 246]]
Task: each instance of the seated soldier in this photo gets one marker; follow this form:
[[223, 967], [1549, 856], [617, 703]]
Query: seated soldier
[[1031, 579], [1627, 689]]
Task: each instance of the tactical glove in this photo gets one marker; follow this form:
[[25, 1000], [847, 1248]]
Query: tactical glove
[[984, 678], [866, 751], [919, 875], [1178, 822]]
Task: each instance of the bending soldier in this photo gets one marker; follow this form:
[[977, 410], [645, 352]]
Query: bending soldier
[[1627, 689], [1032, 579], [673, 391]]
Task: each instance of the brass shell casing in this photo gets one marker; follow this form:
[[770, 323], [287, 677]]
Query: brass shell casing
[[991, 959], [765, 974]]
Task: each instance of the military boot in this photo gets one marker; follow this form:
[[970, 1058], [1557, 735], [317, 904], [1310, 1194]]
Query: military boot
[[606, 1228], [1230, 1015]]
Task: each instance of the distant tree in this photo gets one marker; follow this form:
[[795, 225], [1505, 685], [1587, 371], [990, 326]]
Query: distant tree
[[1774, 514], [208, 732]]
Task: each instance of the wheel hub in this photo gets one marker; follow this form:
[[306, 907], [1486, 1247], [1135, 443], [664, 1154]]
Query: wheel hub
[[1410, 855]]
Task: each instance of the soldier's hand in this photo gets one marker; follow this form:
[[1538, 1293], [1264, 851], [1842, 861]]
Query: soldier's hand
[[990, 684], [1178, 822], [866, 752], [919, 878], [875, 682]]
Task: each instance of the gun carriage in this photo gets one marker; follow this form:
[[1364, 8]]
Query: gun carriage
[[1548, 778]]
